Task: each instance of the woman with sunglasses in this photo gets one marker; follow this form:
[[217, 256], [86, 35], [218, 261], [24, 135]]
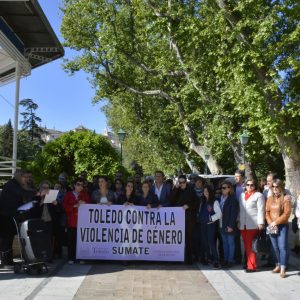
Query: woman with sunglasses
[[71, 202], [229, 208], [185, 197], [278, 211], [251, 220]]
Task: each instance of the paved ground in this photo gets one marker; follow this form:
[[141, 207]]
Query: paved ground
[[111, 280], [146, 281]]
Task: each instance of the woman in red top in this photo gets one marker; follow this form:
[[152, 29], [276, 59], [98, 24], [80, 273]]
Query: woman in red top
[[71, 202]]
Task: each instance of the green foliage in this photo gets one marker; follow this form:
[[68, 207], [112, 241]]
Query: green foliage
[[6, 140], [75, 152], [173, 71], [30, 120]]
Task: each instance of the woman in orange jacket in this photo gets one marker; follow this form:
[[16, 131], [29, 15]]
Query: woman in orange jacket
[[278, 211]]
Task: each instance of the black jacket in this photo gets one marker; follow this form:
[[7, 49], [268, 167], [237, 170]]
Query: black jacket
[[13, 195], [187, 196], [230, 212]]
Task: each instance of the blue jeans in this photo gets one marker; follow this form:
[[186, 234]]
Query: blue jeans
[[280, 244], [208, 241], [228, 245]]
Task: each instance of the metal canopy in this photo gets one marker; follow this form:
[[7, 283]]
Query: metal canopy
[[25, 26], [26, 42]]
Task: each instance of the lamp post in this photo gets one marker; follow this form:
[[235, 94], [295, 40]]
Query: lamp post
[[192, 164], [121, 135], [206, 157], [244, 138]]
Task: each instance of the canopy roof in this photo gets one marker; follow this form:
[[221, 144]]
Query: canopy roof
[[25, 36]]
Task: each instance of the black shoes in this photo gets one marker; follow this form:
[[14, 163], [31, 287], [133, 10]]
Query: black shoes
[[250, 271], [227, 265], [204, 261], [216, 265]]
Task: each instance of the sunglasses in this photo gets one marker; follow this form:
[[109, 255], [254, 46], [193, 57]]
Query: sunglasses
[[275, 186], [224, 187], [250, 184], [182, 182]]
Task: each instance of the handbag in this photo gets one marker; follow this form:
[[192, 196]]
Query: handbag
[[295, 224], [261, 244], [272, 230]]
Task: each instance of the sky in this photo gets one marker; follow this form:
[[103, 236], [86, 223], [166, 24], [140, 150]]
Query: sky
[[64, 101]]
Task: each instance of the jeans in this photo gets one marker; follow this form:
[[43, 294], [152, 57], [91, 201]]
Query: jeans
[[208, 240], [280, 245], [228, 245]]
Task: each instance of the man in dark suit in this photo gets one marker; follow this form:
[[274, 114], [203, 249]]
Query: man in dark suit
[[15, 193], [161, 190], [185, 197]]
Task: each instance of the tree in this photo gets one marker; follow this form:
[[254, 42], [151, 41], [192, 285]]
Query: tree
[[205, 70], [75, 152], [6, 140], [30, 120]]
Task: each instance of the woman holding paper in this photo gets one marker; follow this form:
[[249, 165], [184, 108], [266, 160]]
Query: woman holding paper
[[71, 202], [46, 210]]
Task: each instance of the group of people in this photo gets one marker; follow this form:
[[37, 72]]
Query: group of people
[[216, 216]]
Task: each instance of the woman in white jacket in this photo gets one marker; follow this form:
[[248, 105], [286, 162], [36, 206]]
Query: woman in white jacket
[[297, 214], [251, 219], [209, 213]]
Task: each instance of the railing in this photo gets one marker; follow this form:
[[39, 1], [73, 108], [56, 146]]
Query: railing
[[6, 167]]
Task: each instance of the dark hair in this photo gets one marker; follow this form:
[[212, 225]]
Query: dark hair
[[229, 184], [182, 177], [120, 180], [160, 172], [211, 194], [199, 178], [147, 182], [240, 172], [103, 177], [254, 182], [133, 190], [78, 180]]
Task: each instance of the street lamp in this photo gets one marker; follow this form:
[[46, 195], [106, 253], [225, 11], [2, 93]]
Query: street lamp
[[206, 157], [244, 138], [121, 135], [193, 165]]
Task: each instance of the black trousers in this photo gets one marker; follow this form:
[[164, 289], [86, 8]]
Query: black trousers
[[190, 226], [72, 240], [238, 250], [7, 233]]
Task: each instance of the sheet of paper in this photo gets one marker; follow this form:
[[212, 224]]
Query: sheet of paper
[[51, 196], [26, 206]]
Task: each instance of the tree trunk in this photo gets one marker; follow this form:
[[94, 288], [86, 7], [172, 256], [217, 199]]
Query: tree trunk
[[212, 164], [190, 164], [291, 158], [290, 149]]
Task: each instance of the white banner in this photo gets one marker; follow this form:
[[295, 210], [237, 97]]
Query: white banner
[[120, 232]]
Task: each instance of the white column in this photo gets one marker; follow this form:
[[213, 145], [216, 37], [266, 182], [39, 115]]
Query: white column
[[16, 120]]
